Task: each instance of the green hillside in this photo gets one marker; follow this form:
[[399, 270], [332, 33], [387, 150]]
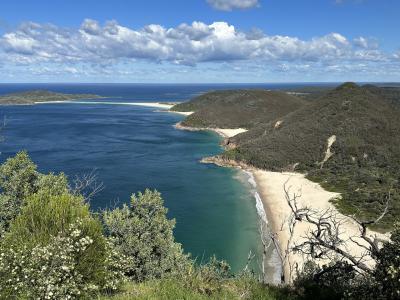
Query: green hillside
[[238, 109], [366, 153]]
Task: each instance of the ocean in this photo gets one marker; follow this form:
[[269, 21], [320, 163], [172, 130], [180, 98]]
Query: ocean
[[132, 148]]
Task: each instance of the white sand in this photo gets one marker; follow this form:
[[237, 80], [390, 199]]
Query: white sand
[[224, 132], [270, 187], [163, 106], [227, 133]]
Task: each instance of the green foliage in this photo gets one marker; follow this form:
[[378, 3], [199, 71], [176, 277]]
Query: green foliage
[[143, 234], [30, 97], [241, 288], [387, 272], [366, 153], [46, 215], [59, 233], [18, 179], [339, 280], [54, 184], [61, 268], [18, 176], [238, 108], [208, 278], [329, 282]]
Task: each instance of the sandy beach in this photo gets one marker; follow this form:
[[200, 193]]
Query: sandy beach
[[270, 186], [163, 106], [224, 132], [270, 189]]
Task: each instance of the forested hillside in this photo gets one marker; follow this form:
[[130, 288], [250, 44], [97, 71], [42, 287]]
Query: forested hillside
[[347, 139], [238, 109]]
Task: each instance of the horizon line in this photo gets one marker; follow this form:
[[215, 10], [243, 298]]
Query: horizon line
[[208, 83]]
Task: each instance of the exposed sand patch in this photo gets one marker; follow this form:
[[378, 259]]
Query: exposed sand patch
[[278, 124], [226, 133], [328, 154]]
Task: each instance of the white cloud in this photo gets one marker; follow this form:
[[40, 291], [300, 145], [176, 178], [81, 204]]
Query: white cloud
[[228, 5], [94, 48], [185, 44], [366, 43]]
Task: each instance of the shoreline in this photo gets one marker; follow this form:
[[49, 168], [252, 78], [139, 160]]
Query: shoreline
[[262, 212], [270, 189], [165, 106], [224, 132], [274, 211]]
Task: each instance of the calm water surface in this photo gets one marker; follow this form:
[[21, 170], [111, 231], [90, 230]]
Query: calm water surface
[[133, 148]]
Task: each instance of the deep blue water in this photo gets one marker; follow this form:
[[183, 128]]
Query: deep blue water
[[133, 148]]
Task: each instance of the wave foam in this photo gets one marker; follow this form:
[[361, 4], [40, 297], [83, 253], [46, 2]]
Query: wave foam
[[273, 261]]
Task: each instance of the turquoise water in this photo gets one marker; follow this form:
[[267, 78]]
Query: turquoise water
[[133, 148]]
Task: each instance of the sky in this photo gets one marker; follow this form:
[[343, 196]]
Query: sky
[[199, 41]]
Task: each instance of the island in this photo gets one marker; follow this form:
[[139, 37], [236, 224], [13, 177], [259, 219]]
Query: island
[[38, 96]]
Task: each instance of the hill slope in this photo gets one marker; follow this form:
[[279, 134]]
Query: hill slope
[[238, 108], [30, 97], [362, 129]]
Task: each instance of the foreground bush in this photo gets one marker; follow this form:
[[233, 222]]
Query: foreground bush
[[55, 249], [243, 288], [340, 280], [387, 272], [144, 235], [18, 178]]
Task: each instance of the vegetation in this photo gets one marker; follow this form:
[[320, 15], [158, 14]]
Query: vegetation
[[30, 97], [238, 109], [243, 287], [363, 121], [143, 234], [54, 247], [339, 280], [18, 179]]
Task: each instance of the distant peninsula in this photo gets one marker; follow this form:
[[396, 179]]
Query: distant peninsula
[[35, 96]]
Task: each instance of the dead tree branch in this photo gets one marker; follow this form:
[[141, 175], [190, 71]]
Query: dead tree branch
[[325, 239], [87, 185]]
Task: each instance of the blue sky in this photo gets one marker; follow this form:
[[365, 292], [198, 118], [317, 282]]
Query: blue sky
[[199, 41]]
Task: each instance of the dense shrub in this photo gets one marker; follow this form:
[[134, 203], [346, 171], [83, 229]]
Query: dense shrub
[[55, 248], [211, 281], [331, 281], [341, 281], [18, 178], [387, 272], [208, 278], [142, 232]]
